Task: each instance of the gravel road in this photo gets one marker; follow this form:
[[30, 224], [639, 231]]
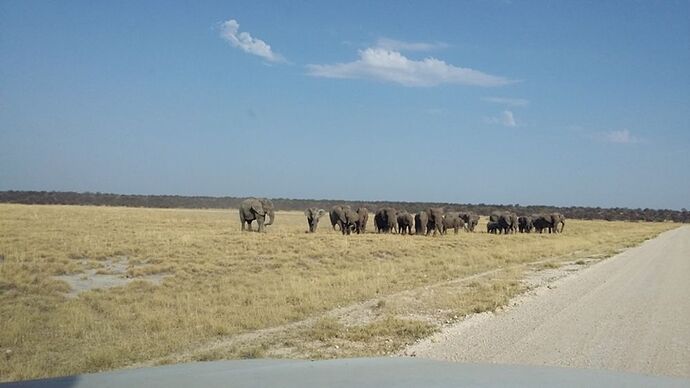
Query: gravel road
[[628, 313]]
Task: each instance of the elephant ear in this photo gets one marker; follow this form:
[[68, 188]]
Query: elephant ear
[[307, 212], [320, 213], [258, 209]]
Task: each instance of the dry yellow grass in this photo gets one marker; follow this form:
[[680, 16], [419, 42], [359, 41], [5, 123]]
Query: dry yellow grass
[[221, 282]]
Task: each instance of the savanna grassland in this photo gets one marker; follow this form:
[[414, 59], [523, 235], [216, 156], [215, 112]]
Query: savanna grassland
[[198, 289]]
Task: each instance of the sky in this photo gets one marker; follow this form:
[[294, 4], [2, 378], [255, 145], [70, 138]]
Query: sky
[[565, 103]]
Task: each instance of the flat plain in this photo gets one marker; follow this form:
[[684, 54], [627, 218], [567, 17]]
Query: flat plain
[[85, 289]]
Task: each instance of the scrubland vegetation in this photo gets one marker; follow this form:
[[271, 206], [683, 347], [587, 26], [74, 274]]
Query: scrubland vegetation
[[228, 294], [179, 201]]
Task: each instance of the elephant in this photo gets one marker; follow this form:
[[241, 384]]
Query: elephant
[[549, 222], [421, 220], [344, 217], [435, 221], [513, 218], [507, 221], [334, 215], [405, 222], [256, 209], [558, 218], [350, 222], [386, 220], [541, 222], [452, 221], [337, 215], [493, 227], [471, 220], [363, 219], [525, 224], [313, 215]]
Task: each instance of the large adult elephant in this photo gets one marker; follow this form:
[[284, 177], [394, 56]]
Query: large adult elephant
[[350, 221], [541, 222], [435, 221], [507, 221], [452, 221], [421, 220], [525, 224], [363, 219], [386, 220], [313, 215], [558, 218], [336, 214], [471, 220], [341, 216], [256, 209], [548, 222], [405, 222]]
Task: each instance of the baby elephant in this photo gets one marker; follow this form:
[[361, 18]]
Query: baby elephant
[[313, 215], [493, 227]]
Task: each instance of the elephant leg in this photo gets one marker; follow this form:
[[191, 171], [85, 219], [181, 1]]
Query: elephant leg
[[260, 221]]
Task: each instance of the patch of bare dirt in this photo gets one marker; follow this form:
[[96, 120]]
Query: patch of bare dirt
[[112, 273]]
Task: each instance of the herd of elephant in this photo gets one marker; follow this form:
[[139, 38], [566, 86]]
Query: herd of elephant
[[389, 220]]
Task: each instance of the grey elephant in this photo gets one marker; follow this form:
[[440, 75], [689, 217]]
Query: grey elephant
[[363, 219], [548, 222], [435, 221], [335, 214], [558, 218], [471, 220], [507, 221], [421, 220], [525, 224], [256, 209], [386, 220], [342, 216], [350, 221], [541, 222], [313, 215], [452, 221], [493, 227], [405, 222]]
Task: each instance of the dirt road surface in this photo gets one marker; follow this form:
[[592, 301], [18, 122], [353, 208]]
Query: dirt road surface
[[627, 313]]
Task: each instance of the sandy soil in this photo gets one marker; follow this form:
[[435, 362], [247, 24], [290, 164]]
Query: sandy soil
[[113, 273], [628, 313]]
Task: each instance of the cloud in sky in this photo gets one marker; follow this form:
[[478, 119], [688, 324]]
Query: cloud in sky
[[507, 101], [229, 30], [397, 45], [620, 137], [506, 118], [391, 66]]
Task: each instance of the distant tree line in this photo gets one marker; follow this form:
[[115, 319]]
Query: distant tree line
[[178, 201]]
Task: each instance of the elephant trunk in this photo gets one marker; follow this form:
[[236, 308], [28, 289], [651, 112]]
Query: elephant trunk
[[271, 216]]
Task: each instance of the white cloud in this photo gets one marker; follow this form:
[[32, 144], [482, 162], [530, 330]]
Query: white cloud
[[392, 66], [506, 118], [620, 137], [397, 45], [507, 101], [229, 30]]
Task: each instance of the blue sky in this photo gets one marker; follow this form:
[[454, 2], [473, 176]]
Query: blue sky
[[557, 103]]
